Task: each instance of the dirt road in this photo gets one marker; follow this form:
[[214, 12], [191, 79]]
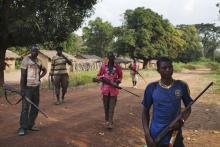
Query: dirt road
[[79, 121]]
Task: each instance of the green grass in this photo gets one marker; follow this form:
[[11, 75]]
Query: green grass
[[144, 73], [126, 74], [81, 78], [76, 78], [203, 63], [85, 77], [215, 77]]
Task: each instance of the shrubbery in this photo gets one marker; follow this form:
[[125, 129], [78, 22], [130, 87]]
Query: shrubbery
[[81, 78]]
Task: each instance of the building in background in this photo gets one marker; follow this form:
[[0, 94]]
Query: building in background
[[10, 60]]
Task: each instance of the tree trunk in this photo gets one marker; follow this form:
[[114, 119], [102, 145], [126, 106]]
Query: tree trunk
[[146, 61], [4, 44], [2, 66]]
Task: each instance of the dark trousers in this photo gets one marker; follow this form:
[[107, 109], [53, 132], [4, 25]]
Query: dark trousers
[[61, 81], [109, 103], [29, 113]]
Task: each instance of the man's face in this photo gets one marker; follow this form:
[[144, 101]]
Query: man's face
[[166, 70], [34, 53], [59, 52], [111, 57]]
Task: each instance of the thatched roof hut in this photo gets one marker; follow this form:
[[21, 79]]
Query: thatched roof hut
[[9, 55], [93, 58], [10, 58]]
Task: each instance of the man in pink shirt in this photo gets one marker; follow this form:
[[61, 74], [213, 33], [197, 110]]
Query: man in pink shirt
[[113, 73]]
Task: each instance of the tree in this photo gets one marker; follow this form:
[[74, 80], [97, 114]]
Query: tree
[[26, 22], [210, 36], [192, 47], [217, 56], [125, 41], [73, 44], [98, 36], [147, 35]]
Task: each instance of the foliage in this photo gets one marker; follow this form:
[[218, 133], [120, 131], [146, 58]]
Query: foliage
[[210, 36], [178, 67], [19, 50], [73, 44], [215, 76], [17, 64], [145, 33], [37, 21], [81, 78], [217, 56], [26, 22], [125, 41], [98, 36], [192, 47], [202, 63]]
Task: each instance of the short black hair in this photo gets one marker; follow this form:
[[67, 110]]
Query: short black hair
[[163, 59], [34, 47], [109, 54], [59, 48]]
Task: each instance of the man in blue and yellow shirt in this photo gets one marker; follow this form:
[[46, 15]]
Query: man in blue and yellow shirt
[[59, 74], [165, 96]]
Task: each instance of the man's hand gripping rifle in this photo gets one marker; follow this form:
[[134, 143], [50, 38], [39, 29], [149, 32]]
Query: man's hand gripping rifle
[[108, 82]]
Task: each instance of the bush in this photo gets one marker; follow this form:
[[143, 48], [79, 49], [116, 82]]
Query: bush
[[215, 76], [177, 67], [81, 78], [213, 65], [17, 64], [202, 63], [189, 66]]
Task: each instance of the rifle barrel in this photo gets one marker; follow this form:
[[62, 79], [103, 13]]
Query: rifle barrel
[[130, 92], [141, 77], [36, 107], [167, 129], [116, 86], [9, 88]]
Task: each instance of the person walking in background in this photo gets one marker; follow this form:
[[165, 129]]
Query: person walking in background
[[113, 73], [134, 75], [31, 73], [165, 95], [59, 75]]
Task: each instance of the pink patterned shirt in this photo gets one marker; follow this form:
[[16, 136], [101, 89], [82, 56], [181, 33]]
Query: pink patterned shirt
[[134, 69], [113, 76]]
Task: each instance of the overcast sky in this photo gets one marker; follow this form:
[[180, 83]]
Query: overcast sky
[[176, 11]]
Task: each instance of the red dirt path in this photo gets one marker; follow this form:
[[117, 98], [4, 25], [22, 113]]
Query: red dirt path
[[79, 121]]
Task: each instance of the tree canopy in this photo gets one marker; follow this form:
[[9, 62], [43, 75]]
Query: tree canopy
[[73, 44], [98, 36], [26, 22], [210, 36], [146, 34], [192, 47]]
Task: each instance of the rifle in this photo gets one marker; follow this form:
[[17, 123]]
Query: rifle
[[179, 117], [51, 84], [11, 89], [103, 80], [141, 76], [130, 67]]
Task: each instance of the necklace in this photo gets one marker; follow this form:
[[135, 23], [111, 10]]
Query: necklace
[[166, 86]]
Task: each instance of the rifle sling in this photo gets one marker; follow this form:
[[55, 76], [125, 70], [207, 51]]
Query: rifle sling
[[6, 98]]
